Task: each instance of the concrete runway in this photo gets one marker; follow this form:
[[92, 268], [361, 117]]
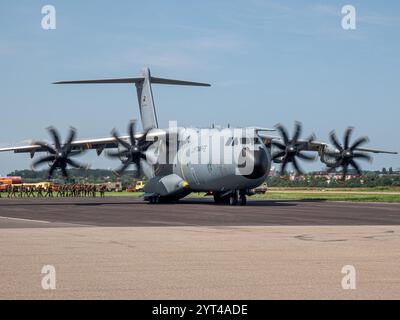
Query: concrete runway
[[131, 212], [125, 248]]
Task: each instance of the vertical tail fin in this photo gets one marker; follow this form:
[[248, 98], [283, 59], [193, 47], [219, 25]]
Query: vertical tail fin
[[144, 92], [146, 101]]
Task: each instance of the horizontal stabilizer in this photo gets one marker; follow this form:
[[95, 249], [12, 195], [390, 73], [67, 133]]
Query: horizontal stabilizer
[[178, 82], [137, 80], [143, 85], [124, 80]]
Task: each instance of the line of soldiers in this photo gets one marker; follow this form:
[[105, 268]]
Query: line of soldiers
[[66, 190]]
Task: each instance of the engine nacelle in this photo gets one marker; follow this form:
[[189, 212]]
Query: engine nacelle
[[328, 160], [167, 186]]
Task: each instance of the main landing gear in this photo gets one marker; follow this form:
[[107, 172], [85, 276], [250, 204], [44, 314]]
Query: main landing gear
[[233, 199], [154, 199]]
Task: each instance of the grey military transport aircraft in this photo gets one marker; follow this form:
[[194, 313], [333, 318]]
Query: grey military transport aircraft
[[224, 162]]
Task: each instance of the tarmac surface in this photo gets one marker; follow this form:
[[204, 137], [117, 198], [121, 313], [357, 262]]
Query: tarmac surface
[[124, 248], [133, 212]]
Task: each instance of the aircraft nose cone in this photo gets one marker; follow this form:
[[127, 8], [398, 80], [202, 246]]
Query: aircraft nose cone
[[260, 164]]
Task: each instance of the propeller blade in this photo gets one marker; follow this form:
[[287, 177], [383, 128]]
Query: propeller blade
[[143, 156], [283, 167], [297, 131], [53, 167], [347, 136], [131, 132], [359, 142], [123, 168], [345, 169], [45, 146], [118, 154], [145, 145], [306, 157], [331, 169], [114, 133], [362, 155], [297, 167], [311, 138], [64, 172], [356, 166], [284, 133], [335, 141], [138, 171], [278, 145], [56, 137], [43, 160], [70, 139], [76, 164], [278, 155]]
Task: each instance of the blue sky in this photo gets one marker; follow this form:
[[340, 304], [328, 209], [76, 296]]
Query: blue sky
[[268, 62]]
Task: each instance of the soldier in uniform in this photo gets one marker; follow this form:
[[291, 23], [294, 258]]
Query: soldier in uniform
[[21, 191], [59, 190], [14, 191], [39, 191], [70, 191], [102, 191], [49, 192], [94, 189], [9, 190], [27, 191], [32, 190]]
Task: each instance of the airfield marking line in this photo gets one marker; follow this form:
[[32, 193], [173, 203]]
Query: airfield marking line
[[29, 220]]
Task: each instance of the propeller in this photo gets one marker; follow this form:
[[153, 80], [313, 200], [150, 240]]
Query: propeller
[[59, 155], [346, 154], [291, 149], [133, 151]]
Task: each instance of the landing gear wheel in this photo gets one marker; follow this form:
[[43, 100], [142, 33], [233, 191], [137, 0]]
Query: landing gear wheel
[[154, 200], [233, 200], [217, 198], [243, 200]]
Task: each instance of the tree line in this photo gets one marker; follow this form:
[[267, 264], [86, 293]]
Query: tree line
[[383, 178]]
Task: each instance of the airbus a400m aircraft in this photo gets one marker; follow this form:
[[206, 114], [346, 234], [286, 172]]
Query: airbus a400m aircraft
[[224, 162]]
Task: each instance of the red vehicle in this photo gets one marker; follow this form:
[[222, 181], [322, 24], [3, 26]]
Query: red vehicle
[[6, 181]]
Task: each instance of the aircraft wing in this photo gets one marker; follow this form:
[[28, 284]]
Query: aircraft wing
[[85, 144], [319, 146]]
